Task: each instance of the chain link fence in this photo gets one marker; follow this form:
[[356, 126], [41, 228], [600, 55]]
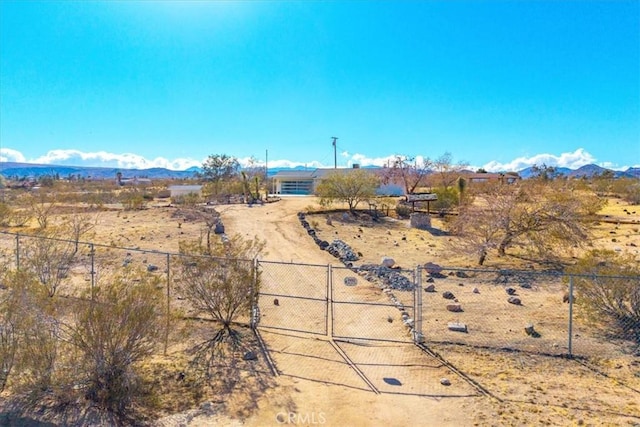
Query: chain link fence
[[535, 312], [293, 297]]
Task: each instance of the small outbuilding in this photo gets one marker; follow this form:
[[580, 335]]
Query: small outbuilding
[[183, 190]]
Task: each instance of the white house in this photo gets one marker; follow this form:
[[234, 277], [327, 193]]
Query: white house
[[296, 182]]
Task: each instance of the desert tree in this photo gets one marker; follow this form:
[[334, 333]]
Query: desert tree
[[79, 225], [211, 219], [628, 189], [42, 205], [445, 172], [607, 287], [545, 172], [535, 215], [221, 282], [350, 186], [49, 258], [110, 334], [219, 167], [410, 170]]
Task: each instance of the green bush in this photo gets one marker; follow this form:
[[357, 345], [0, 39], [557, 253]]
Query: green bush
[[403, 211]]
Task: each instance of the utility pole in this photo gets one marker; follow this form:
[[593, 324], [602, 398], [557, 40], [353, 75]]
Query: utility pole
[[335, 156]]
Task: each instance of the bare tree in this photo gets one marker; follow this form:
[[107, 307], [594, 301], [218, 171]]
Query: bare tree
[[412, 171], [536, 216], [79, 225], [445, 171], [42, 206]]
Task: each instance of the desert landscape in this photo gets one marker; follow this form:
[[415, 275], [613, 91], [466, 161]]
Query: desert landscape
[[353, 362]]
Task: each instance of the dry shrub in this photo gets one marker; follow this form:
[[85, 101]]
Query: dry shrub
[[608, 289]]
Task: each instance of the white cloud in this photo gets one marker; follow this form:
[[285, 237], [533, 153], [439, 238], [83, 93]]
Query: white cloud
[[105, 159], [573, 160], [10, 155]]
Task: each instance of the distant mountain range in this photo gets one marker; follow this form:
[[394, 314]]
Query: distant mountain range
[[585, 171], [30, 170]]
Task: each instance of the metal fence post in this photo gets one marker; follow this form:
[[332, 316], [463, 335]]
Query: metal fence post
[[18, 251], [418, 337], [254, 295], [329, 301], [92, 254], [570, 342], [168, 325]]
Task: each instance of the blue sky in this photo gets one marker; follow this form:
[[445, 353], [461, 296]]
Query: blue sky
[[498, 84]]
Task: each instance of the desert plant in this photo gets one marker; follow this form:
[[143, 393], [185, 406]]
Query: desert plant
[[403, 211], [49, 259], [132, 200], [27, 333], [223, 286], [608, 288], [351, 187], [120, 326], [540, 215], [78, 225]]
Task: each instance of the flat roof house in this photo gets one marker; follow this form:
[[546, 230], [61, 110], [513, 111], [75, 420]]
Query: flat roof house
[[304, 182]]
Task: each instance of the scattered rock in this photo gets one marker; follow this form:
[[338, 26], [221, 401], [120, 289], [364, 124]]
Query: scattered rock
[[432, 268], [510, 291], [250, 355], [276, 301], [514, 300], [152, 267], [456, 308], [566, 297], [457, 327], [219, 229], [430, 288], [529, 330], [448, 295], [445, 381], [387, 262], [462, 274], [390, 277], [476, 291]]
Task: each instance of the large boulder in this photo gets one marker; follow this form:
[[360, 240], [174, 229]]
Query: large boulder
[[387, 262]]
